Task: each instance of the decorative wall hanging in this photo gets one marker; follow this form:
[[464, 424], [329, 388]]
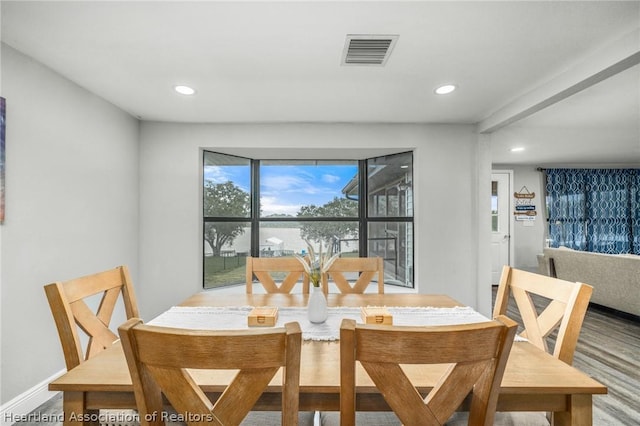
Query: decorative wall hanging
[[525, 208], [2, 156]]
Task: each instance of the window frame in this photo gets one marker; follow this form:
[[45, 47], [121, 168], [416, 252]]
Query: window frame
[[364, 219]]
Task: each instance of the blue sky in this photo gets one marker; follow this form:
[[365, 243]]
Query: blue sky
[[285, 188]]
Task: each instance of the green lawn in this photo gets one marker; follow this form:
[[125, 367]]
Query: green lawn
[[221, 271]]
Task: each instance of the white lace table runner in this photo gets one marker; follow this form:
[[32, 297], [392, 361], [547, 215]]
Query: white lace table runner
[[235, 318]]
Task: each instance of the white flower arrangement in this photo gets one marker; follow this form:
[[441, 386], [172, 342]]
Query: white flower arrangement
[[317, 264]]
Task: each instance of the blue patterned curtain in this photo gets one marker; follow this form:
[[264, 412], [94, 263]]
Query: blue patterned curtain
[[595, 210]]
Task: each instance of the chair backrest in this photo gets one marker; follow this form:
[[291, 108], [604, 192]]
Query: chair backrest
[[476, 354], [565, 311], [354, 274], [276, 274], [158, 359], [67, 300]]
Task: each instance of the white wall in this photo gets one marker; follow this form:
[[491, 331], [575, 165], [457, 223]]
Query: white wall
[[447, 166], [528, 237], [81, 197], [71, 207]]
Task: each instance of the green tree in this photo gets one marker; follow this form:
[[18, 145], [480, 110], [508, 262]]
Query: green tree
[[224, 200], [330, 232]]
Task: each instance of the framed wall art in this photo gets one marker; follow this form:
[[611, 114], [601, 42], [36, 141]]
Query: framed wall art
[[2, 155]]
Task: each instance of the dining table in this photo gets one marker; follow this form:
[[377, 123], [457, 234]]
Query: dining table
[[533, 380]]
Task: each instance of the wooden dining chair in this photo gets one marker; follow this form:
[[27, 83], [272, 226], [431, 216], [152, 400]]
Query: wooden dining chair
[[548, 306], [562, 306], [476, 355], [159, 359], [73, 316], [276, 274], [70, 303], [354, 274]]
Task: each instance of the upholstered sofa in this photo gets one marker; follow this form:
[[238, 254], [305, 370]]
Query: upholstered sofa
[[615, 278]]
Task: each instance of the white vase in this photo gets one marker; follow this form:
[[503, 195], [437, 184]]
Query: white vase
[[317, 307]]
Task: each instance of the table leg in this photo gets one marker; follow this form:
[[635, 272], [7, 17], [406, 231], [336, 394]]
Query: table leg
[[579, 412], [75, 412]]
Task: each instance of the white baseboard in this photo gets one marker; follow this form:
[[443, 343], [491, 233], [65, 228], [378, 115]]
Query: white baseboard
[[17, 409]]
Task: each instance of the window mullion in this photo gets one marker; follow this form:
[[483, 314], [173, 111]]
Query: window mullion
[[255, 208], [363, 208]]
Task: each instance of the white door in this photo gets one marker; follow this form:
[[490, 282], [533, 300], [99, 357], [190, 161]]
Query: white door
[[500, 223]]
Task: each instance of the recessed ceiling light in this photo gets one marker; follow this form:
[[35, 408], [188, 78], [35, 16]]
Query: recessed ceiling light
[[517, 149], [184, 90], [444, 89]]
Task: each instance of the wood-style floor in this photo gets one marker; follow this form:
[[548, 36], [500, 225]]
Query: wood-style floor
[[608, 351]]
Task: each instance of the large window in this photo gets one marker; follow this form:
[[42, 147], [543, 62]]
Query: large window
[[271, 208], [594, 210]]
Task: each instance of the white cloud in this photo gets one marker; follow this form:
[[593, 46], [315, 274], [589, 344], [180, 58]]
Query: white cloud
[[215, 174], [270, 206], [330, 178], [288, 183]]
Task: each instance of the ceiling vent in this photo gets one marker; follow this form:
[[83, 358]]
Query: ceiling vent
[[368, 49]]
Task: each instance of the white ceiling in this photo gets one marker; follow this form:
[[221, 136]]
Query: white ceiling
[[280, 62]]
